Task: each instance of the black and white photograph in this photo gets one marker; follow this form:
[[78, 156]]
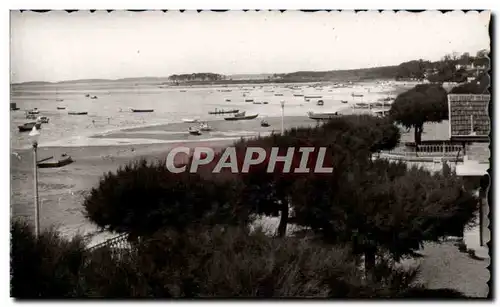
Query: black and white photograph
[[259, 154]]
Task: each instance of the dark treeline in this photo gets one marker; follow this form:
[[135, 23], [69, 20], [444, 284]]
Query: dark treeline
[[451, 68]]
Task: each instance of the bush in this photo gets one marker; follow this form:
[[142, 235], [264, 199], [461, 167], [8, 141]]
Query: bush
[[43, 268]]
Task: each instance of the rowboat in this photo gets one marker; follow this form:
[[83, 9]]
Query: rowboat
[[142, 110], [205, 127], [43, 119], [343, 101], [51, 162], [29, 126], [265, 102], [241, 117], [264, 123], [61, 108], [194, 131], [322, 116], [190, 120], [312, 96], [320, 102], [34, 111], [77, 113]]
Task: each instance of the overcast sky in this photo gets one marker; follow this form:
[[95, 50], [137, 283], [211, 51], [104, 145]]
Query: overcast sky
[[59, 46]]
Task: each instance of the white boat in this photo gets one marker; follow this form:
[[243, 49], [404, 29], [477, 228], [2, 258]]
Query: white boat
[[190, 120], [320, 102], [34, 111], [322, 116], [205, 127], [43, 119]]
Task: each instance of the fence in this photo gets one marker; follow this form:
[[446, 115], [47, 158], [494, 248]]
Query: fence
[[449, 152], [116, 245]]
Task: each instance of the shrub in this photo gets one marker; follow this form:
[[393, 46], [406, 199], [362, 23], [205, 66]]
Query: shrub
[[43, 268]]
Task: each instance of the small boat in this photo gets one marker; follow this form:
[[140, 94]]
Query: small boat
[[182, 91], [278, 94], [34, 111], [228, 100], [87, 95], [93, 97], [241, 117], [257, 102], [265, 102], [205, 127], [43, 119], [298, 95], [343, 101], [29, 126], [61, 108], [312, 96], [248, 100], [30, 116], [320, 102], [322, 116], [59, 99], [264, 123], [222, 111], [194, 131], [51, 162], [77, 113], [142, 110], [356, 95], [225, 91], [190, 120]]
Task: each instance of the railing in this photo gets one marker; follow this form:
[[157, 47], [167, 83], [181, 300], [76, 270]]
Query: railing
[[115, 245], [453, 152]]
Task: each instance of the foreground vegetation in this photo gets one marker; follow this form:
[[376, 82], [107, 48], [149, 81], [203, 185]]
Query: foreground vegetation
[[190, 235]]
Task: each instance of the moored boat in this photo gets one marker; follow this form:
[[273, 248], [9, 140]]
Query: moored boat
[[322, 116], [264, 123], [312, 96], [343, 101], [43, 119], [265, 102], [51, 162], [194, 131], [142, 110], [278, 94], [77, 113], [205, 127], [34, 111], [241, 117], [61, 108], [222, 111], [190, 120], [29, 126], [320, 102]]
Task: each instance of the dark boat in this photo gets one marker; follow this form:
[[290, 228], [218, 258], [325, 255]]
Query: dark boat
[[87, 95], [312, 96], [51, 162], [278, 94], [248, 100], [142, 110], [320, 102], [222, 111], [241, 117], [93, 97], [59, 99], [264, 123], [194, 131], [77, 113], [356, 95], [228, 100], [61, 108], [13, 106], [343, 101], [265, 102], [298, 95], [29, 126]]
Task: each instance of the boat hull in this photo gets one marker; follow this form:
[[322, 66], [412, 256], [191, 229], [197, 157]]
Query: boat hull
[[54, 163], [242, 117], [77, 113], [223, 112], [143, 111], [322, 116]]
